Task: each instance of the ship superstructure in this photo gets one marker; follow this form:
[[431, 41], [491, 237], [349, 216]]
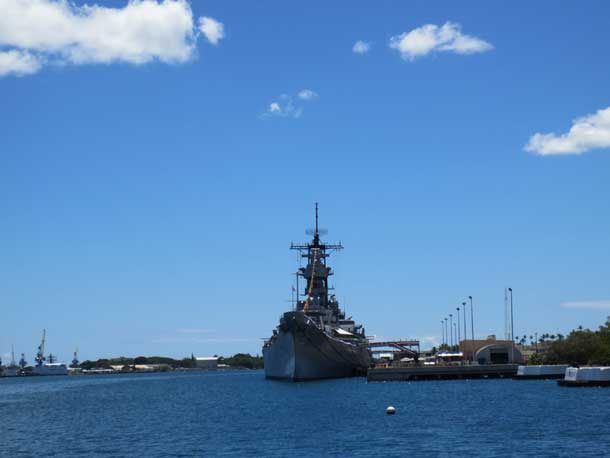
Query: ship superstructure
[[316, 340]]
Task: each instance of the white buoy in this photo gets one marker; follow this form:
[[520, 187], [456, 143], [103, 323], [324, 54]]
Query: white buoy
[[390, 410]]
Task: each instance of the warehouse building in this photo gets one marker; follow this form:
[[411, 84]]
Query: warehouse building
[[207, 362], [491, 351]]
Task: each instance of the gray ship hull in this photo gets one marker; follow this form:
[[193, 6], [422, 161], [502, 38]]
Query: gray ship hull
[[302, 351]]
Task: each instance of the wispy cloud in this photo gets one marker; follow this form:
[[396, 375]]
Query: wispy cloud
[[431, 38], [307, 94], [213, 30], [38, 32], [18, 63], [361, 47], [287, 106], [587, 133], [603, 304], [431, 340]]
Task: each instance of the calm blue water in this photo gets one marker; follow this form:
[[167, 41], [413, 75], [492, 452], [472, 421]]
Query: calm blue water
[[239, 414]]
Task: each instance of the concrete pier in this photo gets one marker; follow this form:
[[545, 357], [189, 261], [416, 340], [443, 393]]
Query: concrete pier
[[541, 372], [586, 376], [412, 373]]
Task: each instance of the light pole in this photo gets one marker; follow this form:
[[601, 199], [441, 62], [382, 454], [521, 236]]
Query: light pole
[[442, 332], [451, 330], [472, 327], [465, 333], [458, 326], [512, 329], [446, 331]]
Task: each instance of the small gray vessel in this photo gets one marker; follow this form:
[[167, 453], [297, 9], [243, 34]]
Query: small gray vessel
[[316, 341]]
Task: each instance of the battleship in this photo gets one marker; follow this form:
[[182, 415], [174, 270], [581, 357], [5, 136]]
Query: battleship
[[315, 340]]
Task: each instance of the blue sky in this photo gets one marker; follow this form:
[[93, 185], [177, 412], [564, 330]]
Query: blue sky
[[150, 196]]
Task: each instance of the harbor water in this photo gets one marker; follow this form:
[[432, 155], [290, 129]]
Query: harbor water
[[240, 414]]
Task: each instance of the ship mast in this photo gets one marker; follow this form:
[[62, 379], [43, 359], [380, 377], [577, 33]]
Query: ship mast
[[316, 272]]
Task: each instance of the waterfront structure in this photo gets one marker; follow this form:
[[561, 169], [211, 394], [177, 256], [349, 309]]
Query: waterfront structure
[[441, 372], [316, 340], [541, 372], [491, 351], [207, 362], [586, 377]]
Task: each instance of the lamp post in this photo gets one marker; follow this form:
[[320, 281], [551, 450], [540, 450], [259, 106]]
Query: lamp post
[[472, 327], [446, 331], [458, 325], [465, 333], [442, 332], [512, 329], [451, 330]]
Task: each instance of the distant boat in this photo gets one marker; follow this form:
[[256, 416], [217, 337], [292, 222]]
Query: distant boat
[[12, 370], [50, 367]]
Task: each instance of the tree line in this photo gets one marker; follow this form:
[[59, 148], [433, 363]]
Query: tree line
[[580, 347], [244, 360]]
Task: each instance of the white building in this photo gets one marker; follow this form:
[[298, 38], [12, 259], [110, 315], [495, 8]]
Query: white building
[[208, 362]]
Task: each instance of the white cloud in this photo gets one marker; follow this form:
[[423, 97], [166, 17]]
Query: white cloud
[[307, 94], [57, 31], [18, 63], [285, 106], [593, 305], [361, 47], [432, 38], [213, 30], [586, 133]]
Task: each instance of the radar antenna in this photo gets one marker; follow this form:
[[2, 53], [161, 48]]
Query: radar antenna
[[316, 217]]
